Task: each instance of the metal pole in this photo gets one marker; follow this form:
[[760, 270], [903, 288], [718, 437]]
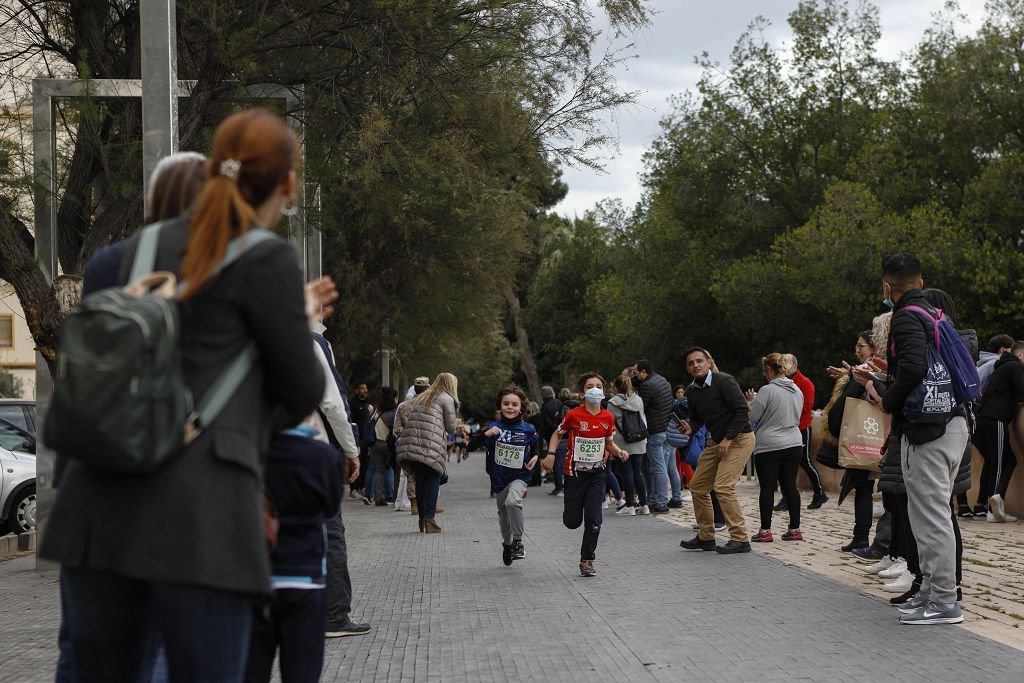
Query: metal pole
[[385, 356], [159, 83]]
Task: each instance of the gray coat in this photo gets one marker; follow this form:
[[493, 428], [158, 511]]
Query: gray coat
[[198, 520], [423, 432], [615, 405], [776, 410]]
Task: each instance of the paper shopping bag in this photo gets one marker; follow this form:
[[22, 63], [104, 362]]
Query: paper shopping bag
[[864, 430]]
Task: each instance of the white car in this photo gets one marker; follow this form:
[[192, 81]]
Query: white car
[[17, 478]]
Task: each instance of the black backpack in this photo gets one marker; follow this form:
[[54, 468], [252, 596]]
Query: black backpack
[[631, 426]]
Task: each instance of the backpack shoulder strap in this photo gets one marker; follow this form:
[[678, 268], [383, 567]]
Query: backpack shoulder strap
[[236, 248], [145, 251]]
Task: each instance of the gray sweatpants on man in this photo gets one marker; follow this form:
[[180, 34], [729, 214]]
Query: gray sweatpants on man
[[929, 471], [510, 511]]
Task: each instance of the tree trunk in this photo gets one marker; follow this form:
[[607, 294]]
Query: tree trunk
[[526, 362]]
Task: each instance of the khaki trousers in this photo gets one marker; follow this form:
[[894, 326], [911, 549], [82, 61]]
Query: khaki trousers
[[720, 475]]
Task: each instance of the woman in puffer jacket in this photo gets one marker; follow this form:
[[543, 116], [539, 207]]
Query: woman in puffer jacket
[[423, 432], [630, 471]]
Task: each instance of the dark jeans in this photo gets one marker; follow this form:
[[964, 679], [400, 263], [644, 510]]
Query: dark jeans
[[632, 476], [339, 584], [559, 473], [116, 624], [380, 478], [613, 484], [428, 485], [863, 503], [779, 467], [296, 627], [883, 533], [584, 494]]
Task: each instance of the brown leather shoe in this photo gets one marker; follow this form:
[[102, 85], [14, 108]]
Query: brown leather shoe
[[430, 526]]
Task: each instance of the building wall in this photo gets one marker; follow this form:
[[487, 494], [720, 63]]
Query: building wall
[[19, 360]]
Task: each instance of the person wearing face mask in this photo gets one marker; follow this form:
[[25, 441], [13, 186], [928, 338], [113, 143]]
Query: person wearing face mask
[[590, 429], [513, 448]]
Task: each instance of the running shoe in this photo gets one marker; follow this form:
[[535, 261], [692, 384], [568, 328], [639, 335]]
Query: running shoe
[[895, 569], [719, 526], [818, 501], [868, 554], [901, 584], [853, 545], [934, 613], [883, 563], [643, 510], [626, 511], [793, 535], [762, 536], [621, 503], [518, 551], [587, 568], [687, 497], [995, 504], [506, 554], [916, 602]]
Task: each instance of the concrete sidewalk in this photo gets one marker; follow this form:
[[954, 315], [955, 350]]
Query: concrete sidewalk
[[443, 607]]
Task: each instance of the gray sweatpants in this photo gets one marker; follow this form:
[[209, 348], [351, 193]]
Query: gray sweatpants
[[510, 511], [929, 471]]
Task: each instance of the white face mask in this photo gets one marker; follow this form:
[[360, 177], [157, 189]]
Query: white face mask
[[594, 396]]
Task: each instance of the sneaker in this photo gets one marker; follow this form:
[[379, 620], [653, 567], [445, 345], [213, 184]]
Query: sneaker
[[852, 545], [934, 613], [686, 497], [877, 509], [719, 526], [911, 592], [995, 504], [914, 603], [587, 568], [818, 501], [556, 492], [901, 584], [991, 518], [883, 563], [868, 554], [696, 543], [506, 554], [347, 629], [620, 503], [518, 550], [366, 501], [643, 510], [658, 509], [733, 547], [793, 535], [894, 570], [781, 505], [762, 536], [604, 505], [965, 514], [626, 511], [676, 503]]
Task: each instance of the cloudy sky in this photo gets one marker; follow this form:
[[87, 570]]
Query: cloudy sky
[[664, 66]]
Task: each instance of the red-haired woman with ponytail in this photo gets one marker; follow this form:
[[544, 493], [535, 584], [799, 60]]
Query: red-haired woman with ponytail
[[179, 554]]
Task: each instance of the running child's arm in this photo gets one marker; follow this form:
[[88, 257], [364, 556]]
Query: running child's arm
[[555, 438], [611, 449]]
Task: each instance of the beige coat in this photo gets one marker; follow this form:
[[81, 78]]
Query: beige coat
[[423, 432]]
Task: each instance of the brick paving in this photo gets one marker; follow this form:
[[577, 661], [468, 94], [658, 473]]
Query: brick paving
[[444, 607]]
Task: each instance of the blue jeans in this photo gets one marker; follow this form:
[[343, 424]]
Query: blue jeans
[[657, 450], [115, 625], [379, 461], [428, 485], [613, 484], [559, 473], [673, 472]]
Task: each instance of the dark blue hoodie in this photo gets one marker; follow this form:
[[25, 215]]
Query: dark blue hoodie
[[304, 480], [517, 438]]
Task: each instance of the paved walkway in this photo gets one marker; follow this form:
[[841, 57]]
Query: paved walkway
[[443, 607]]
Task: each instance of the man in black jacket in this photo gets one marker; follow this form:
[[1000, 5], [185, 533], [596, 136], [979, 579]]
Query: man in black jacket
[[716, 401], [930, 453], [998, 411], [656, 393]]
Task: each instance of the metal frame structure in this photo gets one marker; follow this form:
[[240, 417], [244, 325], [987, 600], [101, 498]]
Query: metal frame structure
[[45, 93]]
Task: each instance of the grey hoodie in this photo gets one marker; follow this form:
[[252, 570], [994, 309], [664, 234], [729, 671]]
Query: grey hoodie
[[776, 410], [615, 405]]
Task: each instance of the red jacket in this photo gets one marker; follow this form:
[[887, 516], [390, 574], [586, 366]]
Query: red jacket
[[806, 387]]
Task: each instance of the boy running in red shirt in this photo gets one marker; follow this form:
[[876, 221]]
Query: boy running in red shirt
[[590, 428]]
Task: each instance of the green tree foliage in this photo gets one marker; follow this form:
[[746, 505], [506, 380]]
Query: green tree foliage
[[776, 189]]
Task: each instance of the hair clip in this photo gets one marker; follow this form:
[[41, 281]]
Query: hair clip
[[229, 168]]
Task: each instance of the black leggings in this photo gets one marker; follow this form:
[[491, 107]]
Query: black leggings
[[631, 477], [863, 504], [779, 467], [807, 465]]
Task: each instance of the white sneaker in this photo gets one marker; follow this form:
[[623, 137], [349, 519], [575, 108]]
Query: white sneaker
[[989, 517], [620, 502], [901, 584], [643, 510], [894, 570], [883, 563], [995, 504], [877, 509], [604, 505], [687, 497], [626, 510]]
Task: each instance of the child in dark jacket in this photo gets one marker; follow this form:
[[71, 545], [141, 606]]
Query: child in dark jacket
[[304, 480], [513, 448]]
